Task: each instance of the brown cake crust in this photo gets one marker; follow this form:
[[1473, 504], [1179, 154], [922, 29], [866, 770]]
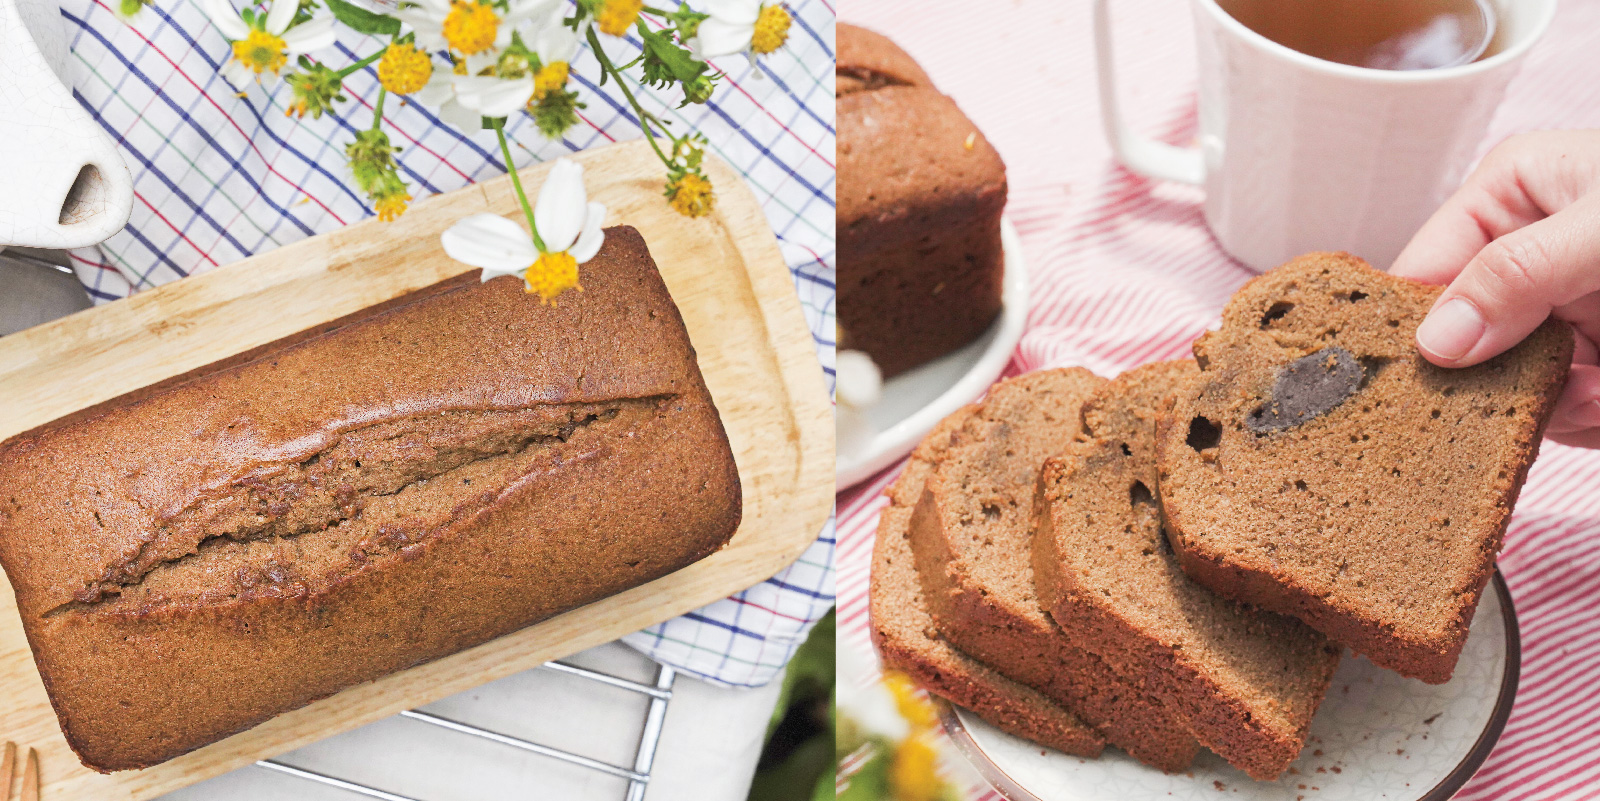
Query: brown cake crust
[[970, 534], [920, 194], [904, 633], [1375, 520], [394, 490], [1246, 681]]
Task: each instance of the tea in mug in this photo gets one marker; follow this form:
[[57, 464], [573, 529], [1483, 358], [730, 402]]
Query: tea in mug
[[1378, 34]]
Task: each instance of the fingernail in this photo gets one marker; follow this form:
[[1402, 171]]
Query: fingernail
[[1585, 415], [1451, 330]]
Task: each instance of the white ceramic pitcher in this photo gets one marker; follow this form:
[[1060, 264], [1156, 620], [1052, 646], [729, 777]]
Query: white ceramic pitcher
[[62, 182]]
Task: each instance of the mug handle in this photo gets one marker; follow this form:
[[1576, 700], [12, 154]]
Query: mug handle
[[1141, 154]]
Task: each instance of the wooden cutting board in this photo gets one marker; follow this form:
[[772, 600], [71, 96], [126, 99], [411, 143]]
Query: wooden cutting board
[[738, 301]]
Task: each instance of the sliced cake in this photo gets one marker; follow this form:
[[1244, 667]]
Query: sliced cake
[[1246, 681], [903, 629], [1319, 467], [970, 535]]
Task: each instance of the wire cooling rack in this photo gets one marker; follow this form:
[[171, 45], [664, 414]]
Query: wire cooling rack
[[638, 775]]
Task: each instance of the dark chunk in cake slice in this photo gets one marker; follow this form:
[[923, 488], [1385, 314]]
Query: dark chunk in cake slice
[[903, 629], [1246, 681], [970, 536], [1321, 468]]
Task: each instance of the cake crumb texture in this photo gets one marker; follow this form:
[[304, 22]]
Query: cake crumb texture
[[1247, 682], [1319, 467]]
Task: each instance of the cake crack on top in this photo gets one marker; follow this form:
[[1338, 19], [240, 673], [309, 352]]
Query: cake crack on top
[[351, 499]]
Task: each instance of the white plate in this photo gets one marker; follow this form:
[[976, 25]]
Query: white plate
[[916, 400], [1376, 736]]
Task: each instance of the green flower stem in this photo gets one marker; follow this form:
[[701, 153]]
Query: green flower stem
[[353, 68], [377, 108], [644, 116], [516, 183]]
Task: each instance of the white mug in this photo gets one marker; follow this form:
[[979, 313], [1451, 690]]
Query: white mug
[[1299, 154], [62, 182]]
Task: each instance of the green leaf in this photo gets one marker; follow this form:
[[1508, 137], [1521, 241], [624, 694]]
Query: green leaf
[[811, 671], [666, 61], [361, 20], [796, 777]]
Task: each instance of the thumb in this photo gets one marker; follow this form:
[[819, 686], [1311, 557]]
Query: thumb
[[1512, 285]]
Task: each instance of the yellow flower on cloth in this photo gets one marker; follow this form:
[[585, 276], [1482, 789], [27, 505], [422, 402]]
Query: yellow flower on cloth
[[518, 77], [740, 26], [404, 68], [471, 29], [555, 44], [264, 43], [567, 225], [615, 17]]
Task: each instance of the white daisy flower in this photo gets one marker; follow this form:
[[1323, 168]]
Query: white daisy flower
[[755, 27], [468, 28], [263, 44], [569, 229]]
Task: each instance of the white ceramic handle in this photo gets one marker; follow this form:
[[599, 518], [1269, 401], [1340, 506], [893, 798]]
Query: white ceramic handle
[[1138, 153]]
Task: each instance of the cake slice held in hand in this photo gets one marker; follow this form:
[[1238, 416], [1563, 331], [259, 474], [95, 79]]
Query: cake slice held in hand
[[1321, 468], [1247, 682], [903, 629], [970, 537]]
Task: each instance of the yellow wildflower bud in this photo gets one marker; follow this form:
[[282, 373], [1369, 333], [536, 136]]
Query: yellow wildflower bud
[[552, 274], [617, 16], [772, 30], [550, 78], [691, 195], [470, 27], [404, 69], [391, 207]]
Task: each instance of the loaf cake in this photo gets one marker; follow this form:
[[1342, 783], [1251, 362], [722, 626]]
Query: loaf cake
[[1247, 682], [907, 640], [920, 192], [192, 560], [1320, 468], [970, 536]]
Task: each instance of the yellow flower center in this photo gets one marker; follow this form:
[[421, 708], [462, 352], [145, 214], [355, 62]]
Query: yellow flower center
[[261, 52], [616, 16], [550, 78], [470, 27], [692, 196], [392, 206], [404, 69], [772, 30], [552, 274]]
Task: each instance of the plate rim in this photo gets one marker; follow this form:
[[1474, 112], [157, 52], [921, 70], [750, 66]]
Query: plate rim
[[890, 444], [1012, 790]]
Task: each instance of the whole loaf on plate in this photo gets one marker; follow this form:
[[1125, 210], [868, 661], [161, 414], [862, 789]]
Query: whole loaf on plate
[[194, 558]]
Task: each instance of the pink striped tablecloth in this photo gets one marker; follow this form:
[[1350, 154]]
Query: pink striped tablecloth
[[221, 174], [1124, 272]]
